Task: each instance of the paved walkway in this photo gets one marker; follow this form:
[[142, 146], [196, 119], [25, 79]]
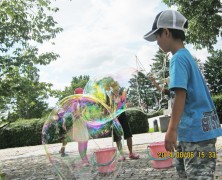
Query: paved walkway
[[29, 163]]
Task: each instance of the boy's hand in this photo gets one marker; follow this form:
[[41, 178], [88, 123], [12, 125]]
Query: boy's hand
[[151, 78], [177, 110], [171, 140]]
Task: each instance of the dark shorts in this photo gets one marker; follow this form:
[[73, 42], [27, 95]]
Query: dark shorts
[[62, 134], [126, 128]]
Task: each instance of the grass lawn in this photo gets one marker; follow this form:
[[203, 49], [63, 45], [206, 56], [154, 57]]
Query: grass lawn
[[151, 130]]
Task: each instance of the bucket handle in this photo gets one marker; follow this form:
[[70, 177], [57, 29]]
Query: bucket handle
[[155, 159], [105, 164]]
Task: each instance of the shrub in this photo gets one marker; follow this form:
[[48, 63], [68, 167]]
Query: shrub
[[218, 103], [28, 132], [23, 132], [138, 121]]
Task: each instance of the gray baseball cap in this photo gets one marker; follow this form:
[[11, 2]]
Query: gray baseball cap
[[166, 19]]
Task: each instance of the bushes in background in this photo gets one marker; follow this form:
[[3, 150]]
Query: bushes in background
[[22, 133], [218, 103], [139, 124], [139, 121], [29, 132]]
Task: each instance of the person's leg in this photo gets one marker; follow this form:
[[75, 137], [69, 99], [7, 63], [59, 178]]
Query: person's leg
[[130, 148], [180, 163], [120, 147], [82, 147], [62, 150], [130, 144], [127, 135], [203, 164]]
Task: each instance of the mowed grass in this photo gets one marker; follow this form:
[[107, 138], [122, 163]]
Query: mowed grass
[[151, 130]]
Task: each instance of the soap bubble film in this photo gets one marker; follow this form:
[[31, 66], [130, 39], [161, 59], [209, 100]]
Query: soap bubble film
[[84, 119]]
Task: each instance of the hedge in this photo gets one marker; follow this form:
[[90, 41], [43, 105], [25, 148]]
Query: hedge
[[29, 132], [138, 121], [218, 103], [22, 133]]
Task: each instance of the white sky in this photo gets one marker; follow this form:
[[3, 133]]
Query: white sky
[[101, 37]]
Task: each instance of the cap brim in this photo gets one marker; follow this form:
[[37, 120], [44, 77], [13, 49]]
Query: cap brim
[[150, 36]]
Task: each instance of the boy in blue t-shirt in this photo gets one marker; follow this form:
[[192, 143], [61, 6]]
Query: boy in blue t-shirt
[[194, 121]]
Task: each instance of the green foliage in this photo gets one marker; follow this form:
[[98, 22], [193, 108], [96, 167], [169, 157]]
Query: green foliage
[[154, 114], [213, 72], [24, 132], [204, 20], [140, 93], [151, 130], [218, 104], [77, 82], [160, 66], [28, 132], [23, 24], [138, 121], [200, 65], [160, 71]]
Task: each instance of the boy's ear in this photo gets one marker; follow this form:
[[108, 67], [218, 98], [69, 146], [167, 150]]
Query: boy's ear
[[166, 32]]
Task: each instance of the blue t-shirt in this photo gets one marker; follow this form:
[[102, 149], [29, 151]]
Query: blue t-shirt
[[199, 120]]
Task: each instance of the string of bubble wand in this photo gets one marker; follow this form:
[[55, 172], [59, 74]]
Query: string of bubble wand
[[164, 73], [163, 69], [138, 63]]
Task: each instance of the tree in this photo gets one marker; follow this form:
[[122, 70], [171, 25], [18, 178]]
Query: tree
[[77, 82], [204, 20], [200, 65], [141, 93], [160, 66], [213, 72], [160, 70], [23, 24]]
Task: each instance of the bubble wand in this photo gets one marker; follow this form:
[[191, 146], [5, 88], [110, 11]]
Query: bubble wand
[[141, 69]]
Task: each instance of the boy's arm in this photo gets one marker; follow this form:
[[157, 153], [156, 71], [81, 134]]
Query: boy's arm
[[166, 91], [178, 108], [153, 80]]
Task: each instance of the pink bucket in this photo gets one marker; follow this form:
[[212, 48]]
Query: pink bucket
[[106, 159], [159, 156]]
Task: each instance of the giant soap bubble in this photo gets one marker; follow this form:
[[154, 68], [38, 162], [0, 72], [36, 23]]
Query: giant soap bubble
[[79, 118], [89, 117]]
